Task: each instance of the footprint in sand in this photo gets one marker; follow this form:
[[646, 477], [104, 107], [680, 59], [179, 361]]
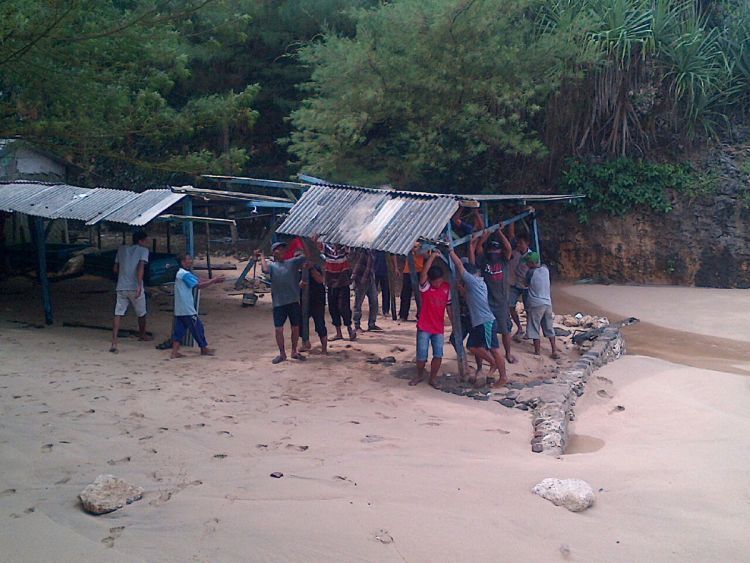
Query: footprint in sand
[[498, 430], [602, 393], [114, 533], [47, 448], [370, 438], [383, 536], [618, 408], [7, 492], [211, 525], [118, 461], [191, 426], [225, 433], [604, 379], [297, 448]]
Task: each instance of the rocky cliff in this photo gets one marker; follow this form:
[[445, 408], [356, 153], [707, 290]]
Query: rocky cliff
[[703, 241]]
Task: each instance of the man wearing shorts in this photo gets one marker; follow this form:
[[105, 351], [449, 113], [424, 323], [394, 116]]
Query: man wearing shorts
[[517, 288], [436, 296], [483, 341], [491, 256], [185, 314], [285, 293], [540, 315], [130, 265]]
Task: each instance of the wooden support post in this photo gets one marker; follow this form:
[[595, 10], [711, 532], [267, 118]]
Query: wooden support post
[[305, 329], [42, 269], [458, 334], [153, 245], [187, 227], [414, 276], [91, 236], [169, 238], [99, 236], [392, 283]]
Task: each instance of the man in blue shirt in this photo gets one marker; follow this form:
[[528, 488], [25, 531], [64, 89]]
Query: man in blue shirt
[[185, 314], [483, 342]]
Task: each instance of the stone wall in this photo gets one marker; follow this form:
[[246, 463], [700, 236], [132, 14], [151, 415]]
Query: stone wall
[[703, 241], [553, 402]]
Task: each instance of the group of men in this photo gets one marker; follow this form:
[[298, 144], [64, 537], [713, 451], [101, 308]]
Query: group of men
[[492, 279], [495, 275]]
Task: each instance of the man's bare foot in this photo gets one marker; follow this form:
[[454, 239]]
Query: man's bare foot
[[278, 359], [145, 338], [176, 355], [501, 382], [335, 338], [298, 356], [114, 350], [306, 347], [208, 352], [352, 334], [555, 356], [433, 383], [511, 359], [416, 380]]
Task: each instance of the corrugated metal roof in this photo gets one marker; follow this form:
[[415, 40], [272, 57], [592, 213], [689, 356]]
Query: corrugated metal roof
[[61, 201], [38, 198], [142, 209], [366, 218], [94, 204]]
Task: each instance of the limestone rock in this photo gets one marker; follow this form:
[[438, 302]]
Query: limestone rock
[[107, 494], [574, 494]]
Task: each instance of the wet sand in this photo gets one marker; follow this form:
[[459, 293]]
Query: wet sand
[[649, 339]]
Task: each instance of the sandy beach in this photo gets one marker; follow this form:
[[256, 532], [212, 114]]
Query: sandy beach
[[374, 470]]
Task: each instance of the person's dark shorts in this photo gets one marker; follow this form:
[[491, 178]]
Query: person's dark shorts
[[484, 336], [502, 316], [292, 311]]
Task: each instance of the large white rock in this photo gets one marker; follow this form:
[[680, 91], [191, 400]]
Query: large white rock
[[107, 494], [573, 494]]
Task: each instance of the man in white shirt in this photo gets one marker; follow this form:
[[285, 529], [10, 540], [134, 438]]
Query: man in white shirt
[[130, 265]]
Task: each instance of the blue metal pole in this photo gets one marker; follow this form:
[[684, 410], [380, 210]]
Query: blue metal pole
[[42, 256], [187, 226], [535, 229]]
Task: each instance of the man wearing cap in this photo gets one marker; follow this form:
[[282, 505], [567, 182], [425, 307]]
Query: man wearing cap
[[285, 293], [540, 315]]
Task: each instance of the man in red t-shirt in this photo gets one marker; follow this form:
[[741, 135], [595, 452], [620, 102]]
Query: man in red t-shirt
[[436, 296]]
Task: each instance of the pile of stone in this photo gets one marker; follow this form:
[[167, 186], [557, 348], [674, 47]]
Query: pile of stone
[[579, 320]]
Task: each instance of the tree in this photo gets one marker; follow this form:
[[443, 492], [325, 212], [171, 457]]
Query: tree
[[441, 94], [97, 80]]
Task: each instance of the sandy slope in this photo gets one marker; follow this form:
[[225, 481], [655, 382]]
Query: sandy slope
[[447, 478]]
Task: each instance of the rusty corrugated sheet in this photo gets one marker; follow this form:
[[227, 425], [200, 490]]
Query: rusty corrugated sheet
[[366, 218]]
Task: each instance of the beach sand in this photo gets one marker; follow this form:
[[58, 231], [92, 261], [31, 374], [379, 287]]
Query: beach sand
[[374, 470]]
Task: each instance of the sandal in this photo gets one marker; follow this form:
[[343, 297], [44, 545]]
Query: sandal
[[299, 357], [278, 360]]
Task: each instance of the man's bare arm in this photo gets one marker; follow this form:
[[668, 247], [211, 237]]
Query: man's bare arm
[[457, 263], [430, 259], [508, 250]]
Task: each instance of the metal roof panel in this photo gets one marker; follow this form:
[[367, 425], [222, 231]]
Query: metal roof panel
[[364, 218], [95, 203], [141, 209]]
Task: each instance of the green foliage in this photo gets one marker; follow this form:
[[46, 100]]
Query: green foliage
[[640, 72], [620, 186], [100, 81], [427, 94]]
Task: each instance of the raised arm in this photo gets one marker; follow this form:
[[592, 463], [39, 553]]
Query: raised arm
[[457, 263], [508, 250], [427, 265], [478, 220], [260, 257], [473, 245]]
